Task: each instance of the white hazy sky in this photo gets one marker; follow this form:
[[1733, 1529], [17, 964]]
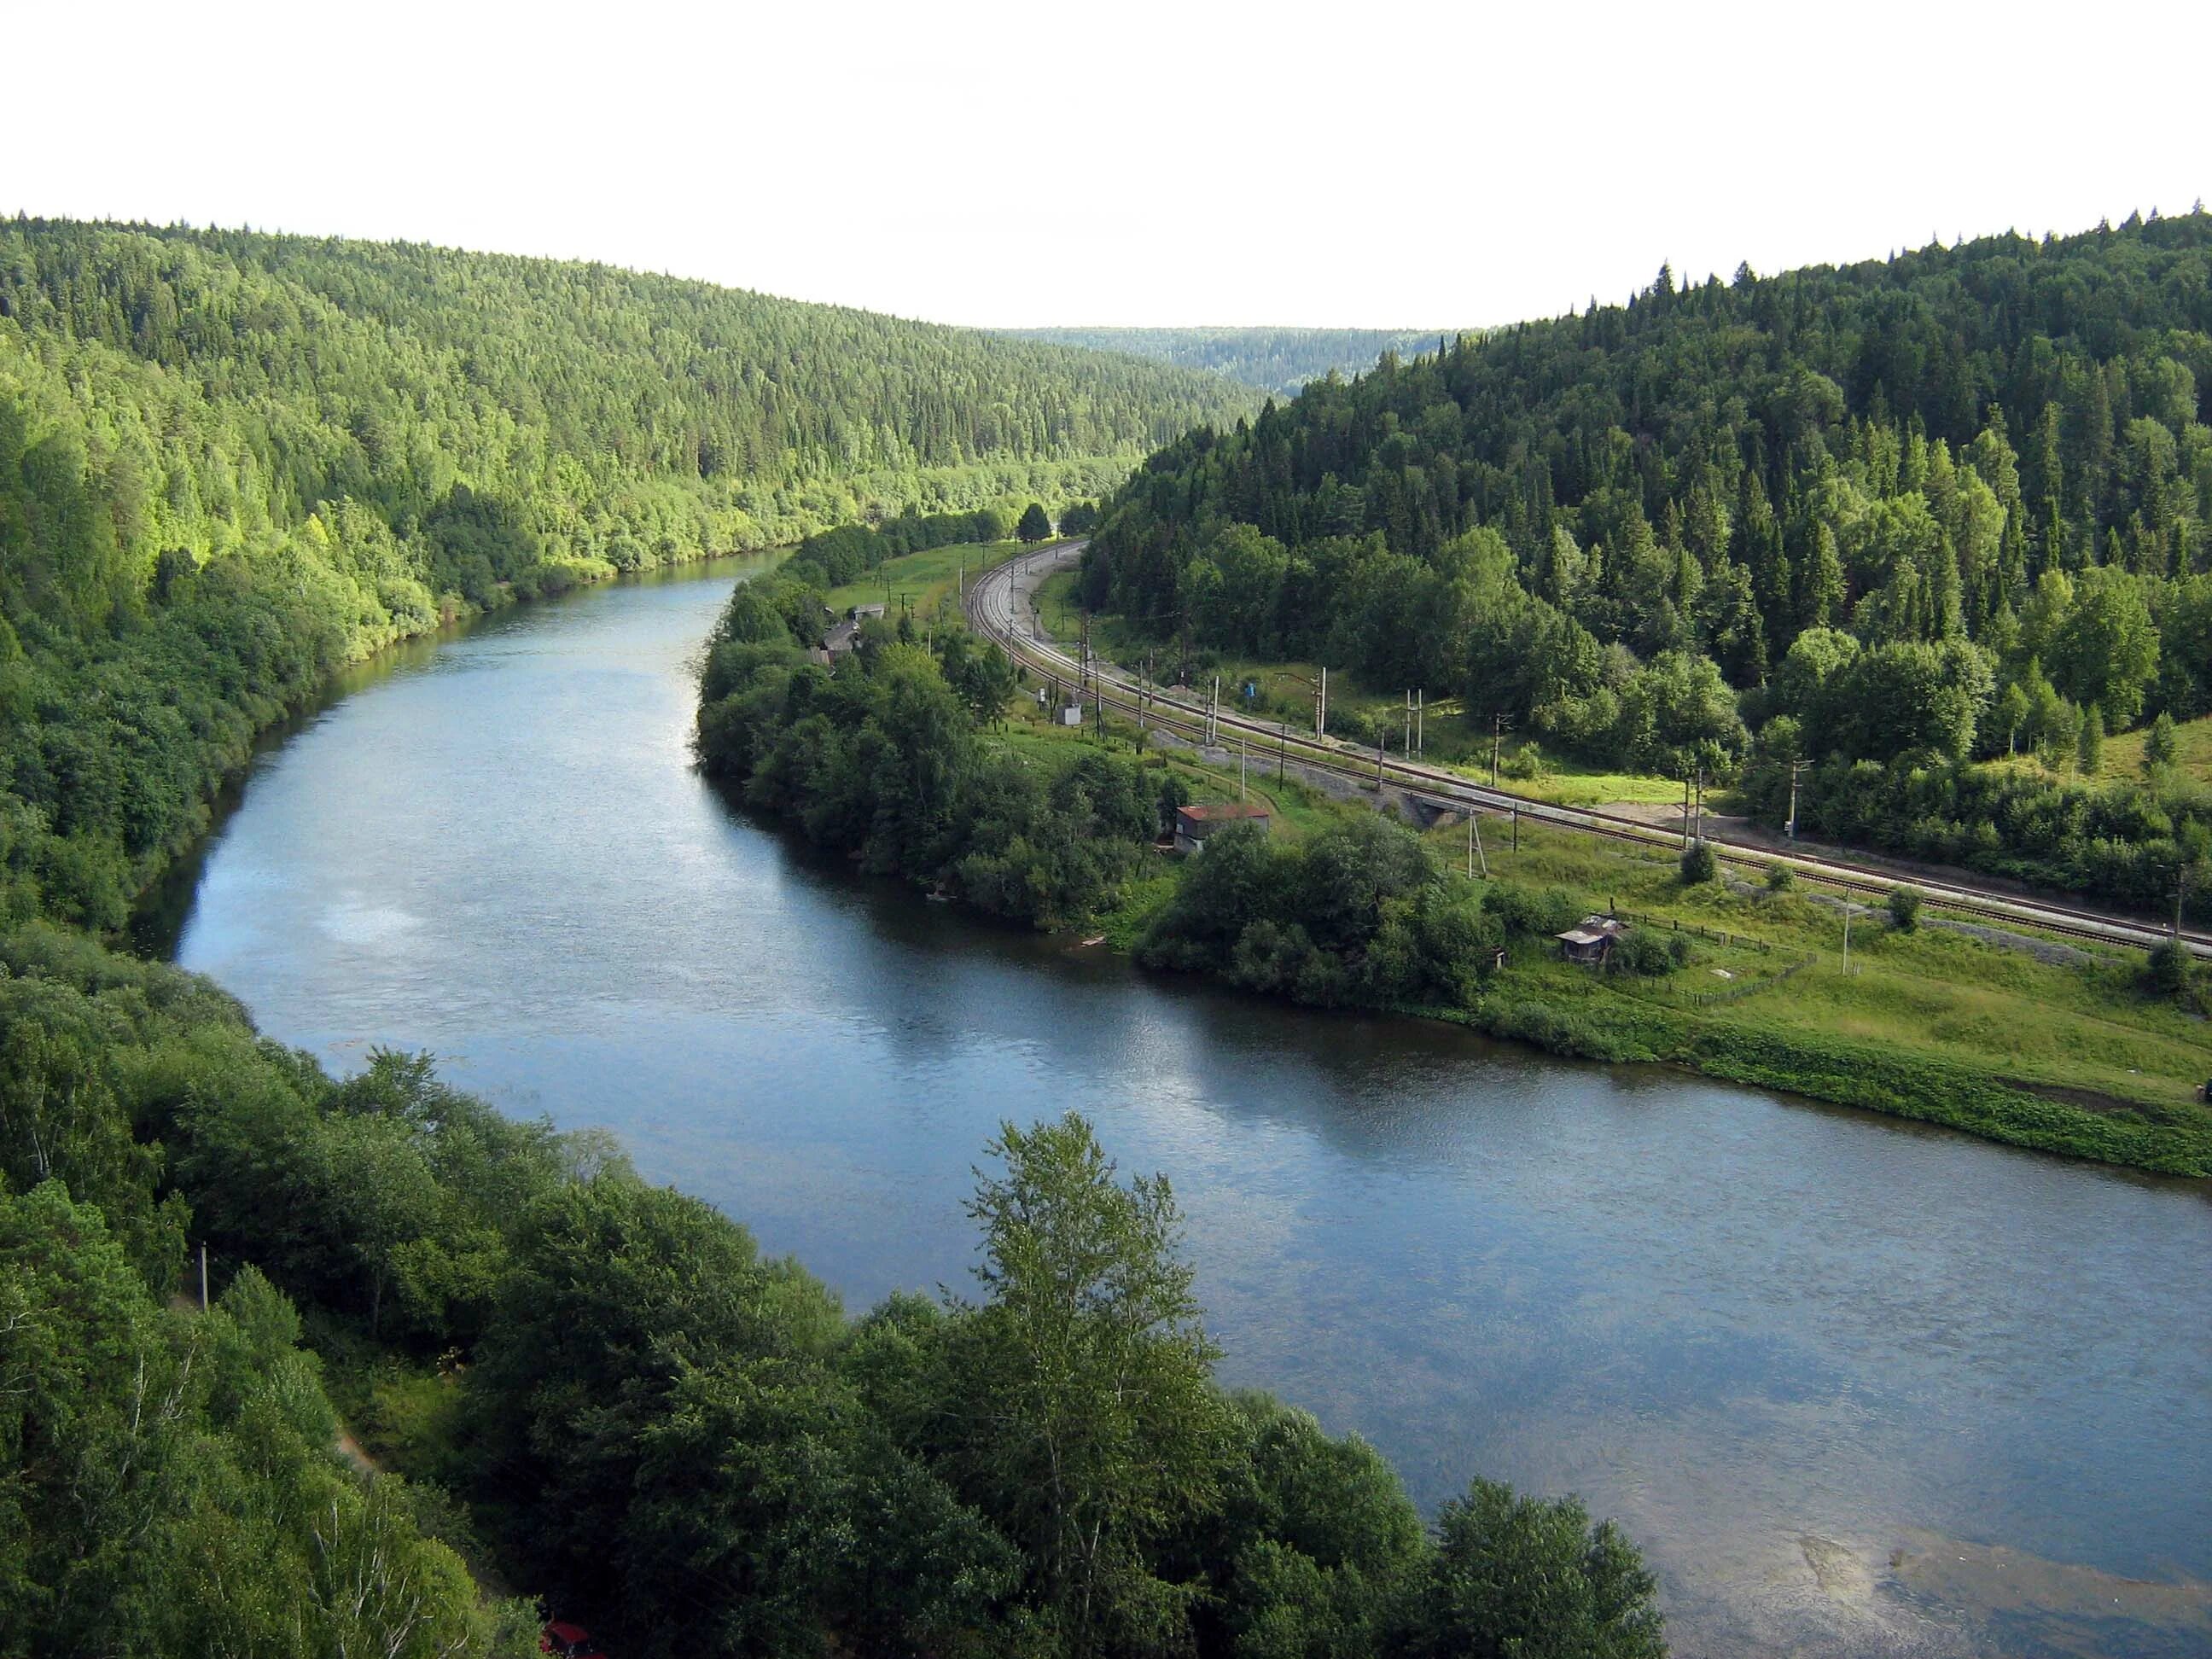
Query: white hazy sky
[[1371, 162]]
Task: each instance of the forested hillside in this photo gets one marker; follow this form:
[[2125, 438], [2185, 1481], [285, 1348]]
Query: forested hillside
[[230, 461], [1275, 360], [1894, 518]]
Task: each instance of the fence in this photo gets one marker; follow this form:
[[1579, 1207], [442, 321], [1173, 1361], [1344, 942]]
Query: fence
[[1743, 941]]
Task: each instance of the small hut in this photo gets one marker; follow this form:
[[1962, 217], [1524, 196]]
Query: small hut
[[1591, 941], [1194, 824]]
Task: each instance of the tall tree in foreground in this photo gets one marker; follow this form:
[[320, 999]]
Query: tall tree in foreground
[[1089, 1426], [1035, 526]]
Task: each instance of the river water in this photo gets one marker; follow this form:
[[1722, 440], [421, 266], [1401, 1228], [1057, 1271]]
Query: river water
[[1856, 1386]]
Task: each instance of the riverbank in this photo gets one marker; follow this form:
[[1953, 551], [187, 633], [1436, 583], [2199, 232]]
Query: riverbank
[[1935, 1026], [1726, 1315], [2009, 1035]]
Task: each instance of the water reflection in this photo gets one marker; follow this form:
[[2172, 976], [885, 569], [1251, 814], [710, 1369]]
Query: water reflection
[[1775, 1339]]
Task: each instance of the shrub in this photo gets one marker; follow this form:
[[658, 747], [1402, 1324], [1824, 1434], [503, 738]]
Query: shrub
[[1905, 908], [1525, 762], [2171, 971], [1527, 910], [1640, 950], [1700, 866], [1780, 879]]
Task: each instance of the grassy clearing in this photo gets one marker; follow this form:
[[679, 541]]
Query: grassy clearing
[[923, 582], [2123, 752], [1933, 993]]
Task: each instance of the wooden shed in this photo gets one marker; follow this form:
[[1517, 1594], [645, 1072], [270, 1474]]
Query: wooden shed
[[1591, 940]]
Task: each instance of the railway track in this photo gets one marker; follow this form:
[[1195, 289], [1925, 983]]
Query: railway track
[[994, 608]]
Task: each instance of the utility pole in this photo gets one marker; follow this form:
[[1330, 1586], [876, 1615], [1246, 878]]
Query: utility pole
[[1421, 722], [1701, 803], [1283, 754], [1242, 745], [1381, 742], [1405, 747], [1686, 811], [1517, 828], [1213, 713], [1847, 934], [1497, 737], [204, 1276], [1321, 705], [1474, 846], [1789, 830]]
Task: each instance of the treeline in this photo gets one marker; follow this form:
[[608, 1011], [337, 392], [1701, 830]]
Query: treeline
[[230, 462], [833, 557], [1987, 466], [1273, 359], [689, 1447], [885, 757]]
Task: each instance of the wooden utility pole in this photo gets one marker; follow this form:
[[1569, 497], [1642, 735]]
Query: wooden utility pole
[[1475, 847], [1321, 704], [1283, 754], [1517, 828], [1381, 742]]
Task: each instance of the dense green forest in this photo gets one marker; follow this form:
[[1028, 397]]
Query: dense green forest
[[1895, 520], [1279, 361], [229, 462]]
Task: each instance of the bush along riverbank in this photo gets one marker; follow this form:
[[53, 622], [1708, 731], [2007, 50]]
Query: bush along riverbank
[[920, 761]]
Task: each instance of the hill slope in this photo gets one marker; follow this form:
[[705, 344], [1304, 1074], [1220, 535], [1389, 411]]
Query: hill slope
[[228, 461], [1950, 505], [1279, 361]]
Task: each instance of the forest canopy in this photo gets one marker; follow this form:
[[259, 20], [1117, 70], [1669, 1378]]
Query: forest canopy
[[230, 462], [1915, 513]]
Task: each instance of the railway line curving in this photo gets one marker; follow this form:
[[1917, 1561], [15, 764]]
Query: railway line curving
[[993, 608]]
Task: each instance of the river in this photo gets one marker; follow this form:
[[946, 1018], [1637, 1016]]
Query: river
[[1856, 1386]]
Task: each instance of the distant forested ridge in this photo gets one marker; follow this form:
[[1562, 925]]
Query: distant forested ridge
[[1274, 360], [1895, 518], [230, 461]]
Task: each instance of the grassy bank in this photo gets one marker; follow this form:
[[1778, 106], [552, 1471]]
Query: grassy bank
[[923, 584], [2026, 1039]]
